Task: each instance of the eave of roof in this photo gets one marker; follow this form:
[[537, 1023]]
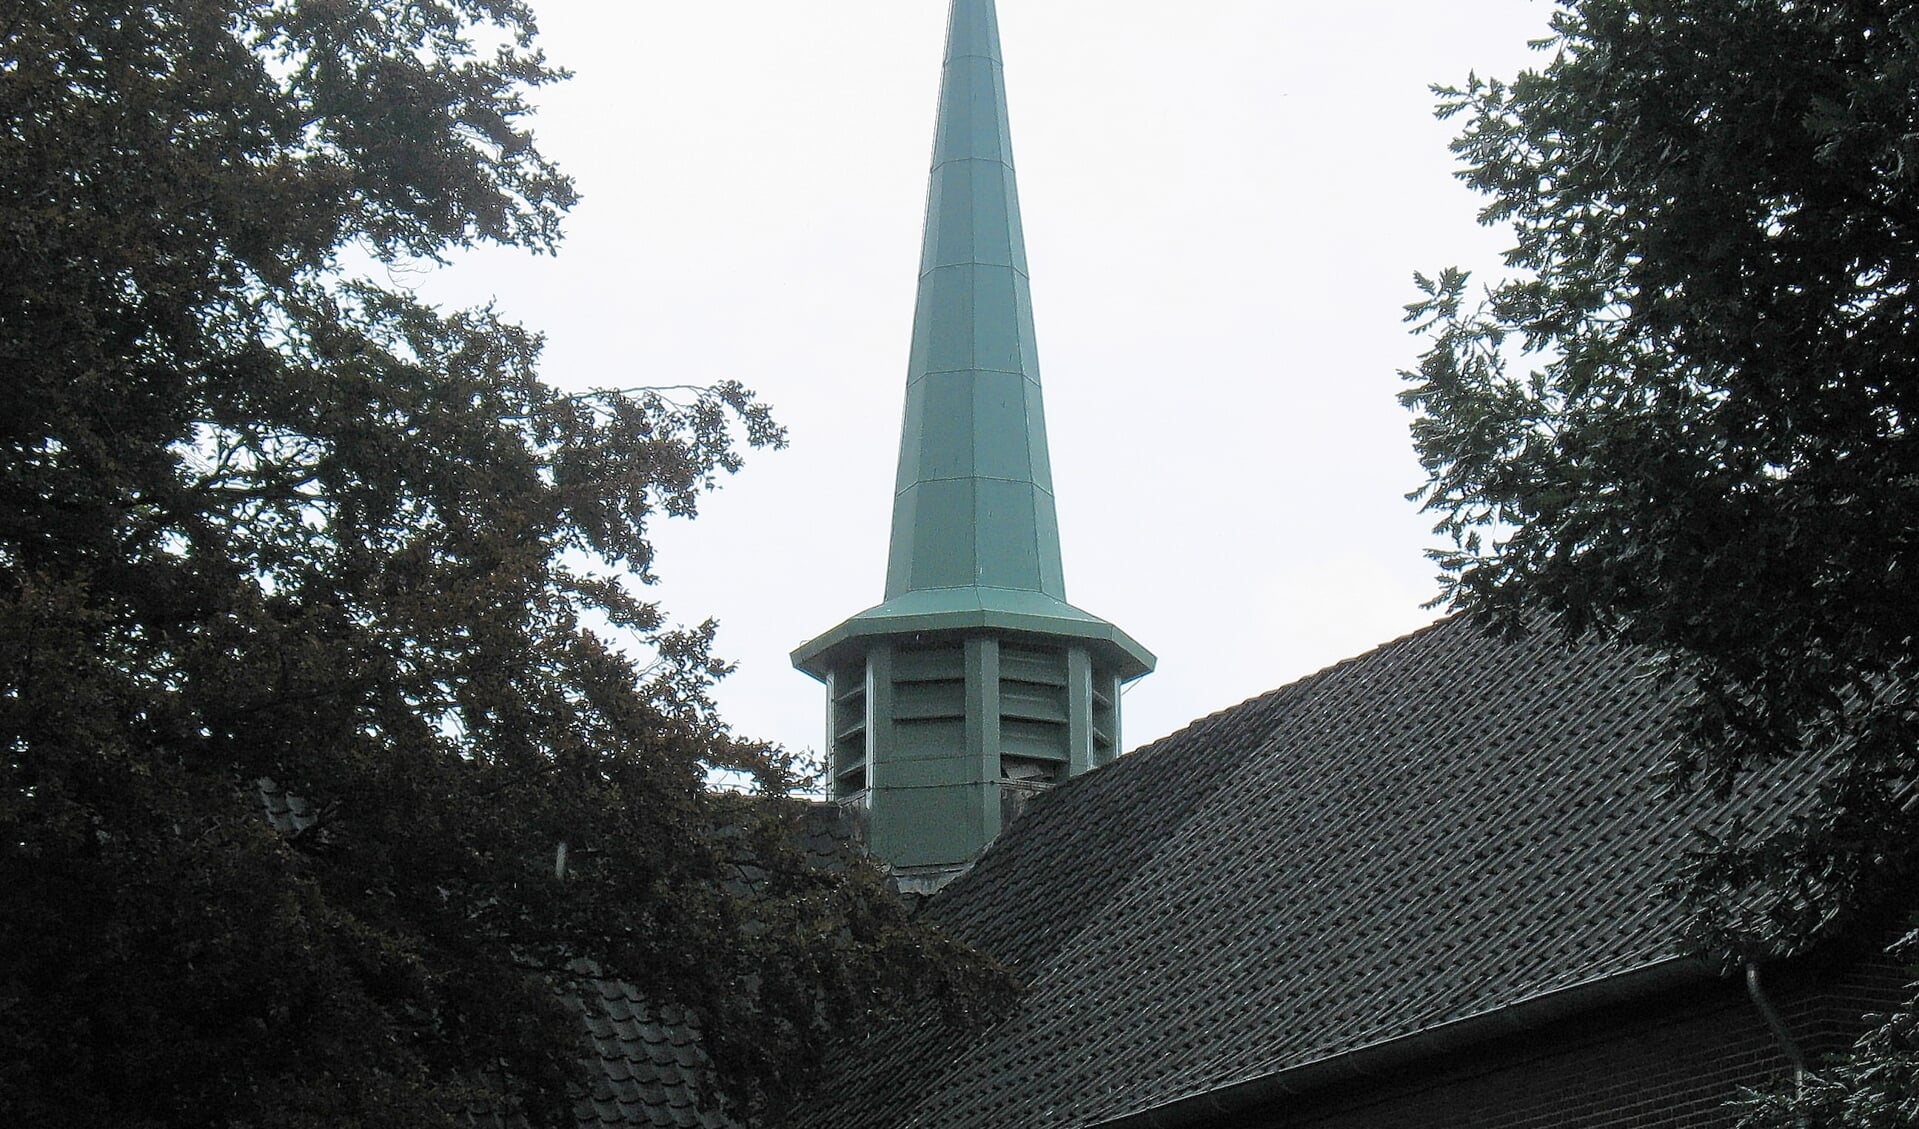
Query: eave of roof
[[1380, 1059]]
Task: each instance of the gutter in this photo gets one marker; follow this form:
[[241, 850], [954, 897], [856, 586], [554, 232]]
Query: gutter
[[1375, 1059]]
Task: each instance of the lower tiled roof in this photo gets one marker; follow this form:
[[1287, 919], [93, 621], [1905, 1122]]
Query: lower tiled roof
[[646, 1066], [1445, 827], [646, 1063]]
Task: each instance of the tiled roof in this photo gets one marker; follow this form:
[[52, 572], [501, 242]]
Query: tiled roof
[[646, 1064], [1443, 828]]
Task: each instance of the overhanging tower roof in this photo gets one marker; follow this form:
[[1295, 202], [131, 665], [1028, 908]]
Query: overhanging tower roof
[[975, 536]]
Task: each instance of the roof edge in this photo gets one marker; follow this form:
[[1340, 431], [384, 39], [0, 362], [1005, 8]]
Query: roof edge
[[1634, 984]]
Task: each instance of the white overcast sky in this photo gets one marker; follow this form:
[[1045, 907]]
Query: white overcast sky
[[1224, 203]]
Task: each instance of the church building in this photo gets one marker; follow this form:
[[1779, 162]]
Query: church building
[[1422, 887]]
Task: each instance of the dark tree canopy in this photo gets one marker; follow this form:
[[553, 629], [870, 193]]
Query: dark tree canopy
[[1689, 417], [270, 534]]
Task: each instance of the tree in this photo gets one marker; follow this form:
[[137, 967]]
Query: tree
[[277, 539], [1690, 416]]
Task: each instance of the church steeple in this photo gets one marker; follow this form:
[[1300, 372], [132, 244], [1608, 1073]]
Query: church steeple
[[974, 499], [975, 682]]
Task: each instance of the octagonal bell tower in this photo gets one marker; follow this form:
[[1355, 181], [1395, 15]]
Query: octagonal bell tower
[[974, 684]]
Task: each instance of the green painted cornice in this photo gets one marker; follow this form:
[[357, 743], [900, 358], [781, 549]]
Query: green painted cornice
[[975, 536], [974, 608]]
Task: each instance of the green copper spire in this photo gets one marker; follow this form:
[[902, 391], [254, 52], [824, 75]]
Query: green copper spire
[[974, 683], [974, 499]]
